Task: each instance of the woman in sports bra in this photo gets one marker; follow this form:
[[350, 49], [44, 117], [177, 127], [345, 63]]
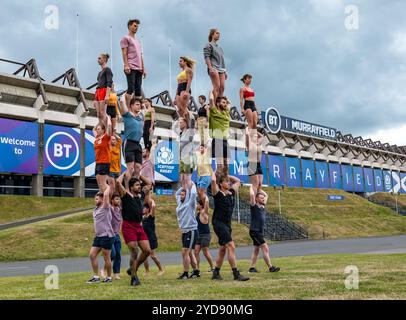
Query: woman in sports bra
[[183, 92], [247, 102]]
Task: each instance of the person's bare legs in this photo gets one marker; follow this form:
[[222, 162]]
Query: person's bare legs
[[222, 78], [197, 255], [107, 262], [231, 254], [254, 257], [265, 252], [193, 259], [146, 265], [133, 248], [254, 120], [93, 259], [186, 259], [249, 118], [215, 81], [220, 257], [101, 182], [209, 259], [112, 185], [145, 252], [157, 262], [137, 170], [129, 172]]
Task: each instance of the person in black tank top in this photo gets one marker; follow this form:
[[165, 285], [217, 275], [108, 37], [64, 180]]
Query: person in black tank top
[[148, 223], [202, 121], [203, 226], [258, 211], [224, 200]]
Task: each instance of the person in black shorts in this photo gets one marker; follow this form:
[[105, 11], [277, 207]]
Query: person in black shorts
[[257, 206], [247, 102], [224, 202], [148, 223]]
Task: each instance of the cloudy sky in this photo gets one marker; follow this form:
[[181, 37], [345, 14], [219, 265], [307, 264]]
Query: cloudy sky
[[304, 58]]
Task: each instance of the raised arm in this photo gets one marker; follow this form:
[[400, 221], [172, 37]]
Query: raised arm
[[119, 185], [147, 182], [214, 185], [252, 196], [235, 183], [242, 100], [264, 194], [106, 197], [109, 128], [122, 105], [212, 103]]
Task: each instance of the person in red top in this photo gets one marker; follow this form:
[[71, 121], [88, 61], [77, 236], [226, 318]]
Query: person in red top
[[102, 133], [247, 102]]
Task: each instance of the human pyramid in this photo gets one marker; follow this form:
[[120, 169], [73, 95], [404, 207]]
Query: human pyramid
[[124, 200]]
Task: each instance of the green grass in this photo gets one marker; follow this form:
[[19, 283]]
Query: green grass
[[390, 199], [73, 236], [353, 217], [15, 208], [311, 277]]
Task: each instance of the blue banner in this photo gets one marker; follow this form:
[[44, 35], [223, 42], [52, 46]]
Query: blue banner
[[335, 176], [308, 174], [61, 150], [167, 161], [387, 181], [378, 179], [322, 176], [348, 183], [369, 180], [277, 170], [403, 183], [293, 172], [358, 179], [18, 146], [396, 182], [239, 165]]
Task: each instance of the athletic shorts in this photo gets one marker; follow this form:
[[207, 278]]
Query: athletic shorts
[[189, 239], [111, 111], [134, 83], [223, 232], [114, 175], [133, 232], [250, 105], [100, 94], [203, 182], [102, 169], [220, 149], [105, 243], [254, 168], [132, 151], [182, 87], [152, 238], [204, 240], [257, 238]]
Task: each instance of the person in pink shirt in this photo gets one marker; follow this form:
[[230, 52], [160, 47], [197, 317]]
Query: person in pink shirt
[[147, 167], [133, 60]]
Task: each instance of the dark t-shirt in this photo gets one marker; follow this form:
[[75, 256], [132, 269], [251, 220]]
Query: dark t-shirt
[[105, 78], [257, 218], [132, 207], [224, 206]]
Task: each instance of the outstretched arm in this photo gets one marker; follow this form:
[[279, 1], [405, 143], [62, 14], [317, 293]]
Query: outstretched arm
[[265, 195], [252, 196], [122, 105], [214, 185], [119, 185], [235, 183], [106, 197]]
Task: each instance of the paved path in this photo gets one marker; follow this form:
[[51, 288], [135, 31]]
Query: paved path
[[376, 245]]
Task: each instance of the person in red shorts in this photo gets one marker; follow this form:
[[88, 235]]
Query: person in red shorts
[[103, 88], [132, 199], [102, 134]]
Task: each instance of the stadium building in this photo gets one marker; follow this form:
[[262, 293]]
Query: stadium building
[[46, 144]]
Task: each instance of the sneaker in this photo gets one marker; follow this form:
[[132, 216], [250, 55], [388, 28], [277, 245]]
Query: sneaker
[[274, 269], [195, 274], [93, 280], [210, 270], [183, 276], [252, 270], [135, 281], [107, 280], [129, 271], [240, 277], [216, 275]]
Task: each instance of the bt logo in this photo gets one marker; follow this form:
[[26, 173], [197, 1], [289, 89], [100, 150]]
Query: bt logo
[[62, 150]]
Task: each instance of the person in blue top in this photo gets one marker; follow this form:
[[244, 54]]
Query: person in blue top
[[133, 127], [185, 211]]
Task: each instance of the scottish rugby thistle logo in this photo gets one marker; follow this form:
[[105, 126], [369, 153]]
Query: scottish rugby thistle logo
[[165, 155]]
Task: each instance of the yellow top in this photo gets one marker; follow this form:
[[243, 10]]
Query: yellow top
[[182, 77]]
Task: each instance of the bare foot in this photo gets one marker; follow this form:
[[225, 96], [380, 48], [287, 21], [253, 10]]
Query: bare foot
[[160, 273], [117, 277]]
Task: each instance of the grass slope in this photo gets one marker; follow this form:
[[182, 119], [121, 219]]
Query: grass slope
[[15, 208], [353, 217], [311, 277], [390, 199], [73, 236]]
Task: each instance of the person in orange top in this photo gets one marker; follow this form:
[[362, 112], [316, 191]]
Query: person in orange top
[[115, 160], [112, 108], [102, 134]]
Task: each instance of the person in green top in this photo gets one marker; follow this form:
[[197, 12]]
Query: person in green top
[[219, 126], [149, 120]]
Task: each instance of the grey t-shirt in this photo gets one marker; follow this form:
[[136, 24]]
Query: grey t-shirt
[[102, 222], [216, 55]]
